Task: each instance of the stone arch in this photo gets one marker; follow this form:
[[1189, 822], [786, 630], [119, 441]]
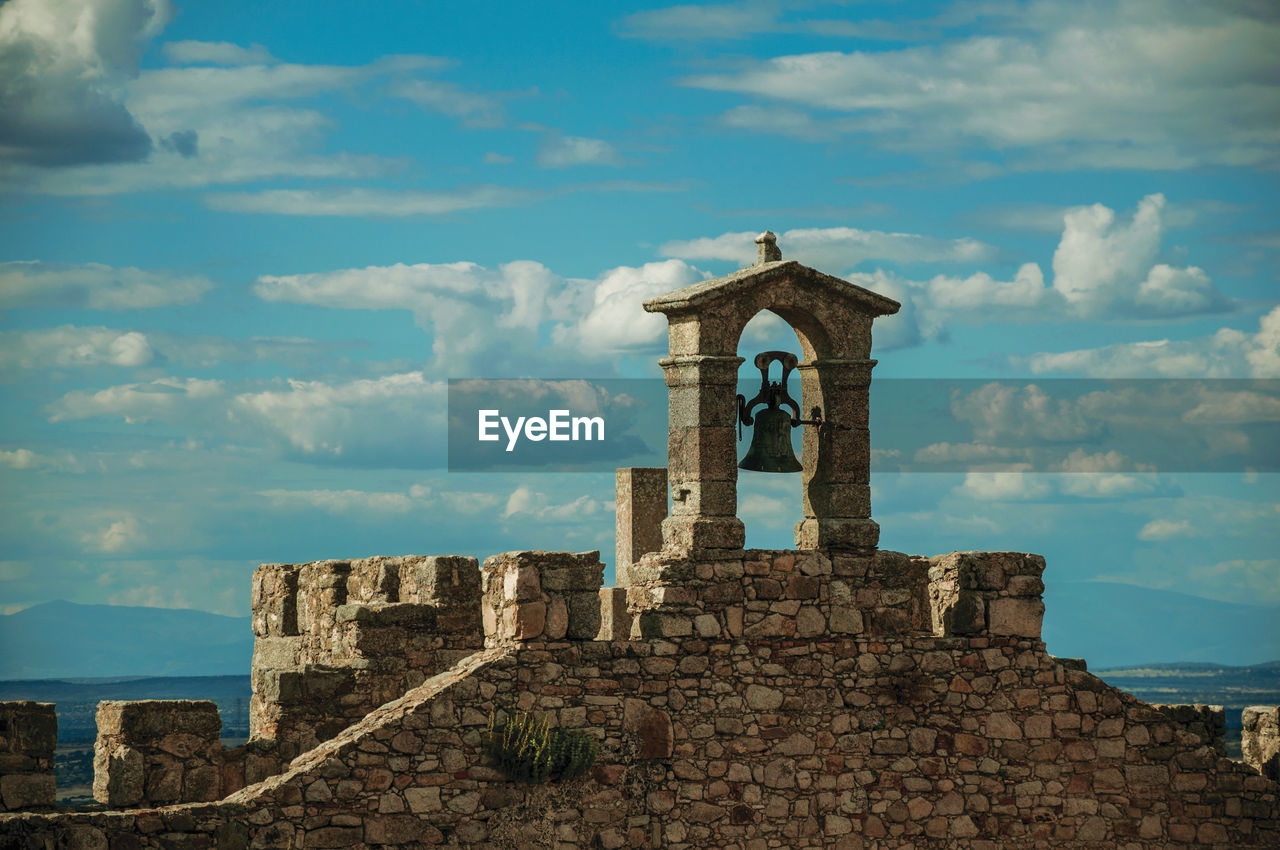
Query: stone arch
[[832, 320]]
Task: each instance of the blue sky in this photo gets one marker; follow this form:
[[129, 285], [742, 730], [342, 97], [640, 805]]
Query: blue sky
[[245, 246]]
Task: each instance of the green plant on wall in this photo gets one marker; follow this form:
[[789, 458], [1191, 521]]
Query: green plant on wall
[[527, 748]]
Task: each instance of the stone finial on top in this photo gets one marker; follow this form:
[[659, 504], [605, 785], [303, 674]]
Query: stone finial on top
[[768, 250]]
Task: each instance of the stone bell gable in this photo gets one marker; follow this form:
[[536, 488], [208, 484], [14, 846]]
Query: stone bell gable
[[832, 319], [835, 695]]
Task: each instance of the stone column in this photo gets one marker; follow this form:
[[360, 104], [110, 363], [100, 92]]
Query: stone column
[[837, 460], [702, 453], [641, 497]]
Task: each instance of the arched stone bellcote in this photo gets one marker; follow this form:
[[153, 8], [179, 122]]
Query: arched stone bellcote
[[832, 319]]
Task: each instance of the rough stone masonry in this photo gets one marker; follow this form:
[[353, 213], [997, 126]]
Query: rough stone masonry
[[832, 695]]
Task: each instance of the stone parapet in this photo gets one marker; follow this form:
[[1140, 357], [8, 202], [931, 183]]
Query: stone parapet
[[336, 638], [28, 738], [156, 752], [789, 593], [542, 595], [1260, 742], [995, 593], [1208, 722]]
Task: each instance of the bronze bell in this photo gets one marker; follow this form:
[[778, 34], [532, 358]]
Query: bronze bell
[[770, 449]]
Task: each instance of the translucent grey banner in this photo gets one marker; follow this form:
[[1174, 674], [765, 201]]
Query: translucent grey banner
[[917, 425]]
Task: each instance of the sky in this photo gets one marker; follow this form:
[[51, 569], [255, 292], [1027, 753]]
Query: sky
[[244, 247]]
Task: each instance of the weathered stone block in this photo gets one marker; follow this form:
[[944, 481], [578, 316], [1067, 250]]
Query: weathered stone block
[[21, 791], [274, 600], [856, 534], [652, 728], [443, 580], [641, 499], [1260, 743], [584, 615], [118, 776], [1011, 616], [615, 619]]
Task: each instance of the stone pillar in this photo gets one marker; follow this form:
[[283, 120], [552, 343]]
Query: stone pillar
[[702, 453], [1260, 742], [641, 497], [541, 596], [837, 460], [153, 752], [28, 737]]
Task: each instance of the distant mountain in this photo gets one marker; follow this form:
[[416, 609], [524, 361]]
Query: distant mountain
[[1121, 625], [64, 640]]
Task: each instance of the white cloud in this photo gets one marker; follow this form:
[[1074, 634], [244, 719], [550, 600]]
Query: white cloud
[[93, 285], [458, 303], [70, 346], [526, 503], [616, 321], [967, 453], [216, 53], [1229, 407], [461, 304], [371, 203], [376, 422], [728, 21], [342, 501], [62, 63], [1002, 413], [382, 421], [567, 151], [1165, 529], [21, 459], [1102, 270], [471, 108], [27, 459], [163, 399], [1099, 475], [1100, 266], [833, 247], [1226, 353], [379, 505], [1010, 486], [714, 21], [118, 535], [1134, 85], [205, 124]]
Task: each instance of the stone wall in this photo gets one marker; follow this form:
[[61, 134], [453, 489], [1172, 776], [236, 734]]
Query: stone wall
[[336, 639], [885, 735], [1260, 743], [153, 752], [28, 737], [787, 593], [1207, 721]]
